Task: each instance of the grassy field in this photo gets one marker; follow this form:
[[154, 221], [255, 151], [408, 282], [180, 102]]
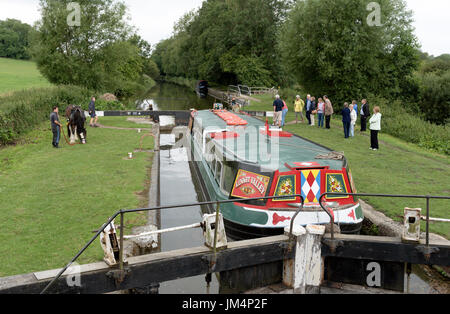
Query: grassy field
[[52, 199], [397, 168], [18, 74]]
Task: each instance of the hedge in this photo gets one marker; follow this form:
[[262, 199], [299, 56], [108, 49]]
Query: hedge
[[22, 111]]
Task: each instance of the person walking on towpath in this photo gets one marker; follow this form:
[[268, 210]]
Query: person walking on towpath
[[56, 127]]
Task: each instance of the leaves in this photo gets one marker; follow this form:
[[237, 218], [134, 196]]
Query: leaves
[[103, 53]]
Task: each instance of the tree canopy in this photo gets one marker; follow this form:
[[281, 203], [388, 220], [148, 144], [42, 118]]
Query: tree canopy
[[14, 39], [332, 48], [101, 51], [226, 41]]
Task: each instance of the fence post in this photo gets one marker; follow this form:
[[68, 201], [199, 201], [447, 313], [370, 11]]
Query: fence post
[[304, 273]]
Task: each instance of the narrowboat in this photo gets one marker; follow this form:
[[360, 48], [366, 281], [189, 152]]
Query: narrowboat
[[236, 156]]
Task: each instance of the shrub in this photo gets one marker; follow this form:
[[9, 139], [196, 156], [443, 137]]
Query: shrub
[[22, 111], [411, 127]]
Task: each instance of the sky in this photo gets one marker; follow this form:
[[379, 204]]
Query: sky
[[154, 19]]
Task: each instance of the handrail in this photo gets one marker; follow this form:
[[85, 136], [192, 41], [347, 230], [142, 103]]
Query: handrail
[[427, 197], [122, 212]]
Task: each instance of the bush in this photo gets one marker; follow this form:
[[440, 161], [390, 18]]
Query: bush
[[435, 90], [22, 111], [411, 127]]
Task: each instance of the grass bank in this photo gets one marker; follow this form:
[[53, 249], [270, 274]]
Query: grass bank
[[18, 75], [51, 200], [398, 167]]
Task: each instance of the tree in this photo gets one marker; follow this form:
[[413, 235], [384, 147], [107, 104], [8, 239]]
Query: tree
[[332, 47], [434, 82], [99, 53], [14, 39], [229, 42]]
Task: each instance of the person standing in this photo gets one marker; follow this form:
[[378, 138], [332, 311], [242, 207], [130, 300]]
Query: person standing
[[375, 128], [313, 110], [284, 113], [56, 126], [355, 107], [308, 108], [320, 112], [277, 110], [365, 114], [346, 120], [299, 104], [328, 113], [92, 113], [353, 117]]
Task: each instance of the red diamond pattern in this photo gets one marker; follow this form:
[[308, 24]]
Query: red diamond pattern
[[311, 179], [311, 196]]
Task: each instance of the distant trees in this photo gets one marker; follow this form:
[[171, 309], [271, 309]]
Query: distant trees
[[434, 78], [332, 48], [102, 52], [14, 39], [232, 41]]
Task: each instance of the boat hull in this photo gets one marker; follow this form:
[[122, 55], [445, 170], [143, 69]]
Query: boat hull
[[238, 232]]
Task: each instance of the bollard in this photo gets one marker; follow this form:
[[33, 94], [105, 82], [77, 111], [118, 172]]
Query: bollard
[[305, 272], [411, 225]]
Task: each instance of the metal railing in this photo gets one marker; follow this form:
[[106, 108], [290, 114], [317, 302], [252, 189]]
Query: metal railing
[[218, 203], [122, 213], [427, 197]]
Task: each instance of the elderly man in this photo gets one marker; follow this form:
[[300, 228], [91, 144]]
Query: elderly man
[[308, 108], [365, 114], [277, 110]]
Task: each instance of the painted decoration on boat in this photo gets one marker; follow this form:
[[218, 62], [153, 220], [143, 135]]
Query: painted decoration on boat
[[311, 185], [335, 183], [286, 186], [250, 185]]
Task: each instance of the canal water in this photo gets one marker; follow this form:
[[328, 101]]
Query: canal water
[[177, 186]]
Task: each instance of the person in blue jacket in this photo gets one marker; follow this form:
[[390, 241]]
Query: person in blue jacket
[[346, 120]]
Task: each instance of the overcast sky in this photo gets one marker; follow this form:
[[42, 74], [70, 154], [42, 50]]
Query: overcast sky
[[155, 18]]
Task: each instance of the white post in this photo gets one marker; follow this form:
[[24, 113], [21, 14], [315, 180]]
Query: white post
[[304, 273]]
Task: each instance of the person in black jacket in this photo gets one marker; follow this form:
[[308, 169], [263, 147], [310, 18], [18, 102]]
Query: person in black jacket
[[365, 114]]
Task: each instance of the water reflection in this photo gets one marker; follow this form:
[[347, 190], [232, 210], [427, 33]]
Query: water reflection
[[167, 96], [177, 187]]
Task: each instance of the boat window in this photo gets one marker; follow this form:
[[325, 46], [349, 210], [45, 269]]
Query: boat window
[[218, 171], [210, 157], [228, 178], [213, 166]]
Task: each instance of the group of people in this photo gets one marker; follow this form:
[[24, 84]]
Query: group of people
[[56, 124], [323, 108]]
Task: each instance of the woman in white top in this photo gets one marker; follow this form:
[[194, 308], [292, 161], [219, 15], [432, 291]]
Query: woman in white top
[[354, 117], [375, 127]]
